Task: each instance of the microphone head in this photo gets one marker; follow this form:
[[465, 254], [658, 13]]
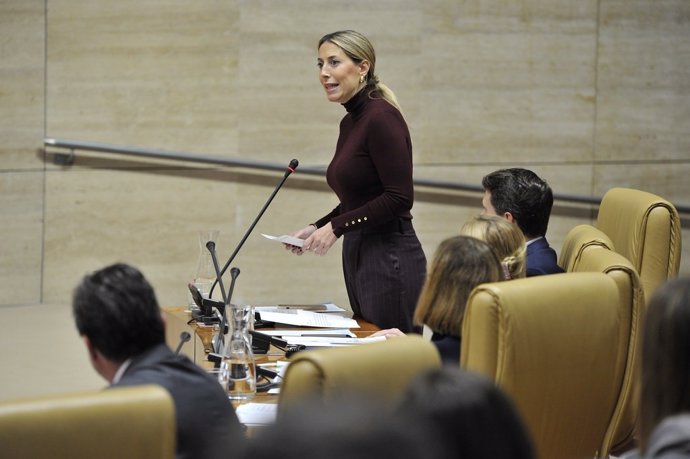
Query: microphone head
[[293, 165], [196, 295], [185, 336], [210, 245], [234, 272]]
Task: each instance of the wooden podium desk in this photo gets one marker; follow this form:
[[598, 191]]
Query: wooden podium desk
[[179, 319]]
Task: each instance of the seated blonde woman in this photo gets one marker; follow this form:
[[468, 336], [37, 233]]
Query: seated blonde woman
[[505, 238], [459, 265]]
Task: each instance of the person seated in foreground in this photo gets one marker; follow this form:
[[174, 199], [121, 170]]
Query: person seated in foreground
[[459, 265], [348, 426], [522, 197], [474, 418], [664, 427], [504, 238], [117, 314]]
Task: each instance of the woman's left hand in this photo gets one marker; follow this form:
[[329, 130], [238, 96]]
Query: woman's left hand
[[320, 240], [388, 333]]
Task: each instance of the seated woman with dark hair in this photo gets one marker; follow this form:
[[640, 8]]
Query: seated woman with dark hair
[[665, 388], [474, 418], [459, 265]]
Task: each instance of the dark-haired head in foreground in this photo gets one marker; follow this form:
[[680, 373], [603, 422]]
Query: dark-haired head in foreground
[[117, 314], [349, 426], [474, 418], [116, 310]]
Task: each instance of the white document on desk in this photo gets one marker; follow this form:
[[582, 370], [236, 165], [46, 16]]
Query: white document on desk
[[321, 308], [257, 414], [323, 341], [303, 318], [330, 332]]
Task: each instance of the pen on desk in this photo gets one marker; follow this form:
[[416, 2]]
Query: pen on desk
[[313, 307], [326, 335]]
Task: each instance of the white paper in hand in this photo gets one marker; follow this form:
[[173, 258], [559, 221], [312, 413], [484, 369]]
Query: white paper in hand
[[297, 242]]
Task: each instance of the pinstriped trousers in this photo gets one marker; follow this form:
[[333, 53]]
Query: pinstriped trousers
[[384, 272]]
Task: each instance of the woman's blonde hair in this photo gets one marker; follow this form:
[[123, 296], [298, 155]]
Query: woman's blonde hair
[[459, 265], [358, 48], [504, 237]]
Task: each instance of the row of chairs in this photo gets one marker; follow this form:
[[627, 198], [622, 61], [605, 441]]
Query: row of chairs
[[557, 346], [636, 241]]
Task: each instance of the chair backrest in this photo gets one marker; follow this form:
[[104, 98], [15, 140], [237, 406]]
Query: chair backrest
[[132, 422], [382, 370], [593, 258], [579, 239], [645, 229], [553, 344]]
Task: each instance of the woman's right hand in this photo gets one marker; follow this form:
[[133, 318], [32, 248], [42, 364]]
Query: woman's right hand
[[301, 234]]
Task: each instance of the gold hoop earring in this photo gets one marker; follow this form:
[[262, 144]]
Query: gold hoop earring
[[361, 78]]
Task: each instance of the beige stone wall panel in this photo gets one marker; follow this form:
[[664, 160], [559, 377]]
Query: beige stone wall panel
[[150, 219], [508, 82], [21, 232], [644, 81], [22, 71], [154, 74]]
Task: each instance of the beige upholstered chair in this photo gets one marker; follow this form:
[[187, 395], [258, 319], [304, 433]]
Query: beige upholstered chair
[[579, 239], [645, 229], [554, 345], [382, 370], [588, 251], [133, 422]]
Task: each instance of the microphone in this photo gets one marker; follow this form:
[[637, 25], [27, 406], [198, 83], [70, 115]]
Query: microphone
[[211, 246], [263, 341], [234, 272], [290, 169], [184, 337], [205, 313]]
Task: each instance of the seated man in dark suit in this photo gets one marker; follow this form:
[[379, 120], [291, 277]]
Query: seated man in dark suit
[[520, 196], [117, 314]]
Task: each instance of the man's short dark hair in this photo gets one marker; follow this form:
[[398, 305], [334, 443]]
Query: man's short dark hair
[[116, 308], [525, 195]]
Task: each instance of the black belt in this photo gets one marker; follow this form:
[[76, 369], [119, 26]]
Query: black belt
[[399, 225]]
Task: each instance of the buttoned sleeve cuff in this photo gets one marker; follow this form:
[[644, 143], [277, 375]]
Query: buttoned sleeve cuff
[[343, 224]]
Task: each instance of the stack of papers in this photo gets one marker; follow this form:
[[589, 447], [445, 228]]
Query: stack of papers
[[330, 332], [321, 307], [322, 338], [324, 341], [302, 318]]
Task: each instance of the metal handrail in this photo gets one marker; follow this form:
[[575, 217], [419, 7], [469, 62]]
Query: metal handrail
[[269, 166]]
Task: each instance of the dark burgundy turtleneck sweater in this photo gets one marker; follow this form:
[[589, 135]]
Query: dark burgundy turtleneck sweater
[[371, 171]]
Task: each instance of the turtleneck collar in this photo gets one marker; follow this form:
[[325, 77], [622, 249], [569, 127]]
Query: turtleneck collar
[[355, 105]]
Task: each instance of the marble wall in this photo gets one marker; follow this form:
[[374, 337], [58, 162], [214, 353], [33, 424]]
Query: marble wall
[[590, 94], [22, 127]]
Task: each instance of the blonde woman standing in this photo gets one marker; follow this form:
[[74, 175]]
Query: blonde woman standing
[[371, 173]]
